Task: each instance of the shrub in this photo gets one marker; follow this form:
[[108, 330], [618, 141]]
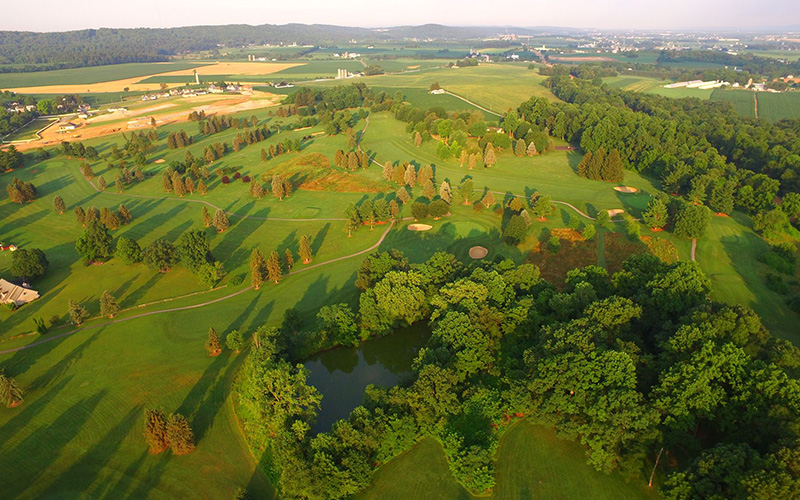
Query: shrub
[[225, 179], [245, 178], [237, 175], [794, 303], [236, 280], [554, 244], [776, 284], [781, 258]]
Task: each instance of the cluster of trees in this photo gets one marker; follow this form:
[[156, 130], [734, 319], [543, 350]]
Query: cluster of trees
[[280, 187], [10, 158], [601, 166], [21, 192], [197, 173], [351, 160], [274, 267], [628, 364], [279, 148], [701, 150], [251, 136], [179, 139], [173, 432], [111, 220], [218, 123], [13, 120], [377, 211], [219, 220]]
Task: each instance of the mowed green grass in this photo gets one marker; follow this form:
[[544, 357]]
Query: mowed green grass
[[633, 83], [552, 173], [95, 74], [496, 86], [532, 463]]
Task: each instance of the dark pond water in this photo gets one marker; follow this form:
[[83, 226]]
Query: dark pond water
[[342, 374]]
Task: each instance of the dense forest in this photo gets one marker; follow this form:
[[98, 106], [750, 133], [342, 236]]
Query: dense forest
[[29, 51], [627, 364]]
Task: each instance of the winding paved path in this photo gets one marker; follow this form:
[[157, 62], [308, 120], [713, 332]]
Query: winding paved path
[[195, 306]]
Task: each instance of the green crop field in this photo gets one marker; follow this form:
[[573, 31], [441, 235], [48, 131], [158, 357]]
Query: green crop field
[[774, 107], [89, 75], [743, 101], [531, 463]]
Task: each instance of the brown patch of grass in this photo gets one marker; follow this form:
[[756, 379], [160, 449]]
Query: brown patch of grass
[[661, 248], [566, 234], [618, 247], [572, 253], [313, 172]]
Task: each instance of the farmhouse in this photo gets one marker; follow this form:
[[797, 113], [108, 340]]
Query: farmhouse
[[17, 295]]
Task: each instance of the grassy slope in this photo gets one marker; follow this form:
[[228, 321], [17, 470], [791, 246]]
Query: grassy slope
[[94, 74], [497, 87], [532, 463]]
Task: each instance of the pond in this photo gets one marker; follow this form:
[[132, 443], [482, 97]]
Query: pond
[[342, 374]]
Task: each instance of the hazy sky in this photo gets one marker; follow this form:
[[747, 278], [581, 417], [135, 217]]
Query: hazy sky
[[61, 15]]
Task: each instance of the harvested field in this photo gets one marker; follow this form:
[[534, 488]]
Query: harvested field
[[226, 68], [478, 252], [419, 227], [626, 189]]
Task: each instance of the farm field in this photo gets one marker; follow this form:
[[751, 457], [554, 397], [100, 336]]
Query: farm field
[[743, 101], [96, 74], [532, 463], [634, 83], [135, 83], [771, 106]]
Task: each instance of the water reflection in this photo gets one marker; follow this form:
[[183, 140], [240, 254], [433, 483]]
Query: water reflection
[[341, 375]]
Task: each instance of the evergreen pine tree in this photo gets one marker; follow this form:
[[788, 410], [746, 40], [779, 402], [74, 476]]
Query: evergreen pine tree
[[488, 199], [583, 166], [257, 268], [234, 341], [58, 205], [445, 192], [288, 260], [166, 182], [472, 161], [428, 190], [179, 434], [212, 344], [388, 171], [519, 147], [595, 165], [101, 183], [531, 151], [656, 214], [108, 305], [10, 393], [206, 217], [410, 176], [278, 187], [77, 313], [201, 187], [220, 221], [490, 158], [305, 249], [274, 273], [80, 214], [612, 169], [155, 430], [418, 139]]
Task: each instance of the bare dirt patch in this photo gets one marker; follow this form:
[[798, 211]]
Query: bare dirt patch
[[478, 252], [626, 189], [419, 227]]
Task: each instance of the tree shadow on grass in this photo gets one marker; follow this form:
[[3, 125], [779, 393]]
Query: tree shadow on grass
[[320, 238], [84, 471], [47, 442], [206, 396], [29, 410], [137, 295], [60, 368], [145, 483]]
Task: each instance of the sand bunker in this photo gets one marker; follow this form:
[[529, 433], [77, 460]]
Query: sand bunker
[[626, 189], [615, 211], [419, 227], [478, 252]]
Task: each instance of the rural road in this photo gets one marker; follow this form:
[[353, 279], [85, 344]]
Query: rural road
[[196, 306]]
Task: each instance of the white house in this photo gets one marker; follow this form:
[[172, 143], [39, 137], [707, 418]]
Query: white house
[[17, 295]]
